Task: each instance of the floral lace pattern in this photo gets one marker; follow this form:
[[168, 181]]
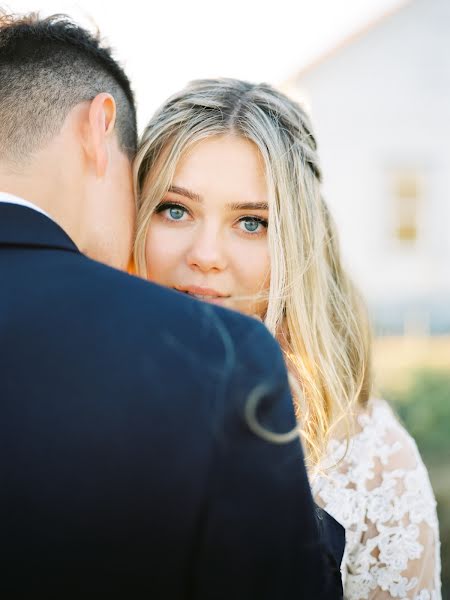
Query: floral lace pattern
[[380, 492]]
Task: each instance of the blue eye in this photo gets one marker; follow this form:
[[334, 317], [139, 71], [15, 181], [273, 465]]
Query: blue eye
[[254, 224], [176, 213], [171, 212]]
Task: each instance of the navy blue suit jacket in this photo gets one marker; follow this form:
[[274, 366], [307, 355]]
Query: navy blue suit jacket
[[126, 465]]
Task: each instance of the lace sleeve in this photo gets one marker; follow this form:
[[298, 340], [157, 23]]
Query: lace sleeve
[[382, 496]]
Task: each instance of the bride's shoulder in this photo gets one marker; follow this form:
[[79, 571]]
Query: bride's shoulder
[[379, 454], [376, 433], [387, 439]]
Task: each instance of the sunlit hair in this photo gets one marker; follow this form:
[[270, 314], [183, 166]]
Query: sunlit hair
[[313, 308]]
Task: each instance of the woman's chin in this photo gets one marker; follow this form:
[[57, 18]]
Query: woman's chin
[[219, 301], [257, 312]]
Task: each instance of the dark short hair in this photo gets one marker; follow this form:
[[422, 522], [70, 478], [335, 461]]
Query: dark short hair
[[48, 66]]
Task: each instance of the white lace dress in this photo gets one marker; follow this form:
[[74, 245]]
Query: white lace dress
[[382, 496]]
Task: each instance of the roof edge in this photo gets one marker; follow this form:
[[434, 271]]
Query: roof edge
[[346, 41]]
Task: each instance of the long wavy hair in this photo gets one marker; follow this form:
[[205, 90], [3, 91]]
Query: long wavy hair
[[313, 308]]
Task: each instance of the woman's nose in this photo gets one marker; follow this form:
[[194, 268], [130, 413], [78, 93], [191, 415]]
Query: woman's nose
[[207, 251]]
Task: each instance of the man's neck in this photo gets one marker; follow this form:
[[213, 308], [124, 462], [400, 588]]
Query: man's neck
[[32, 187]]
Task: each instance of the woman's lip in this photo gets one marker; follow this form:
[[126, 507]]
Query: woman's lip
[[201, 291]]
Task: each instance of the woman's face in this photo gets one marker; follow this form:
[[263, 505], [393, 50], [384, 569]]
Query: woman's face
[[208, 235]]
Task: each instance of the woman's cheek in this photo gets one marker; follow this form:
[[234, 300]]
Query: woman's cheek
[[256, 265], [161, 252], [252, 269]]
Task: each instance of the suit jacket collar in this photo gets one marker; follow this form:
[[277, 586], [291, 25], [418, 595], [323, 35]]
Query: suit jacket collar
[[23, 226], [13, 199]]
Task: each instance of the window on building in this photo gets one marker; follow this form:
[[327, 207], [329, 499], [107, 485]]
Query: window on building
[[407, 193]]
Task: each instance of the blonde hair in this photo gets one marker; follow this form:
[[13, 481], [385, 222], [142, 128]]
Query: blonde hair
[[313, 308]]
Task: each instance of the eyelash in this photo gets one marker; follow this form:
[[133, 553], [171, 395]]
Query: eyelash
[[168, 205]]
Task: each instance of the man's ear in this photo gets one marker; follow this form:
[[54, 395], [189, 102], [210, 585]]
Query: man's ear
[[101, 122]]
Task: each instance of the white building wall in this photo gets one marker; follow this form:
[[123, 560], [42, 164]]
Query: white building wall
[[380, 103]]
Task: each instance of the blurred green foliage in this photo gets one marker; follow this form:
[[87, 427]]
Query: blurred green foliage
[[424, 408]]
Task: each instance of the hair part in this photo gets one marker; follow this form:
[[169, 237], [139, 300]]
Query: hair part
[[47, 67], [314, 309]]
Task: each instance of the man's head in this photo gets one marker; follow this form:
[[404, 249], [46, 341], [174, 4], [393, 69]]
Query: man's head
[[68, 131]]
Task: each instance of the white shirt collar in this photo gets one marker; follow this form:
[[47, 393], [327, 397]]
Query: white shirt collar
[[10, 199]]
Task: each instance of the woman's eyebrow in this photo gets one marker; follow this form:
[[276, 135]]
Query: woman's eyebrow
[[181, 191], [235, 206], [248, 206]]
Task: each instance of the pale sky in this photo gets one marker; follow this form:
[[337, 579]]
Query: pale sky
[[164, 44]]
